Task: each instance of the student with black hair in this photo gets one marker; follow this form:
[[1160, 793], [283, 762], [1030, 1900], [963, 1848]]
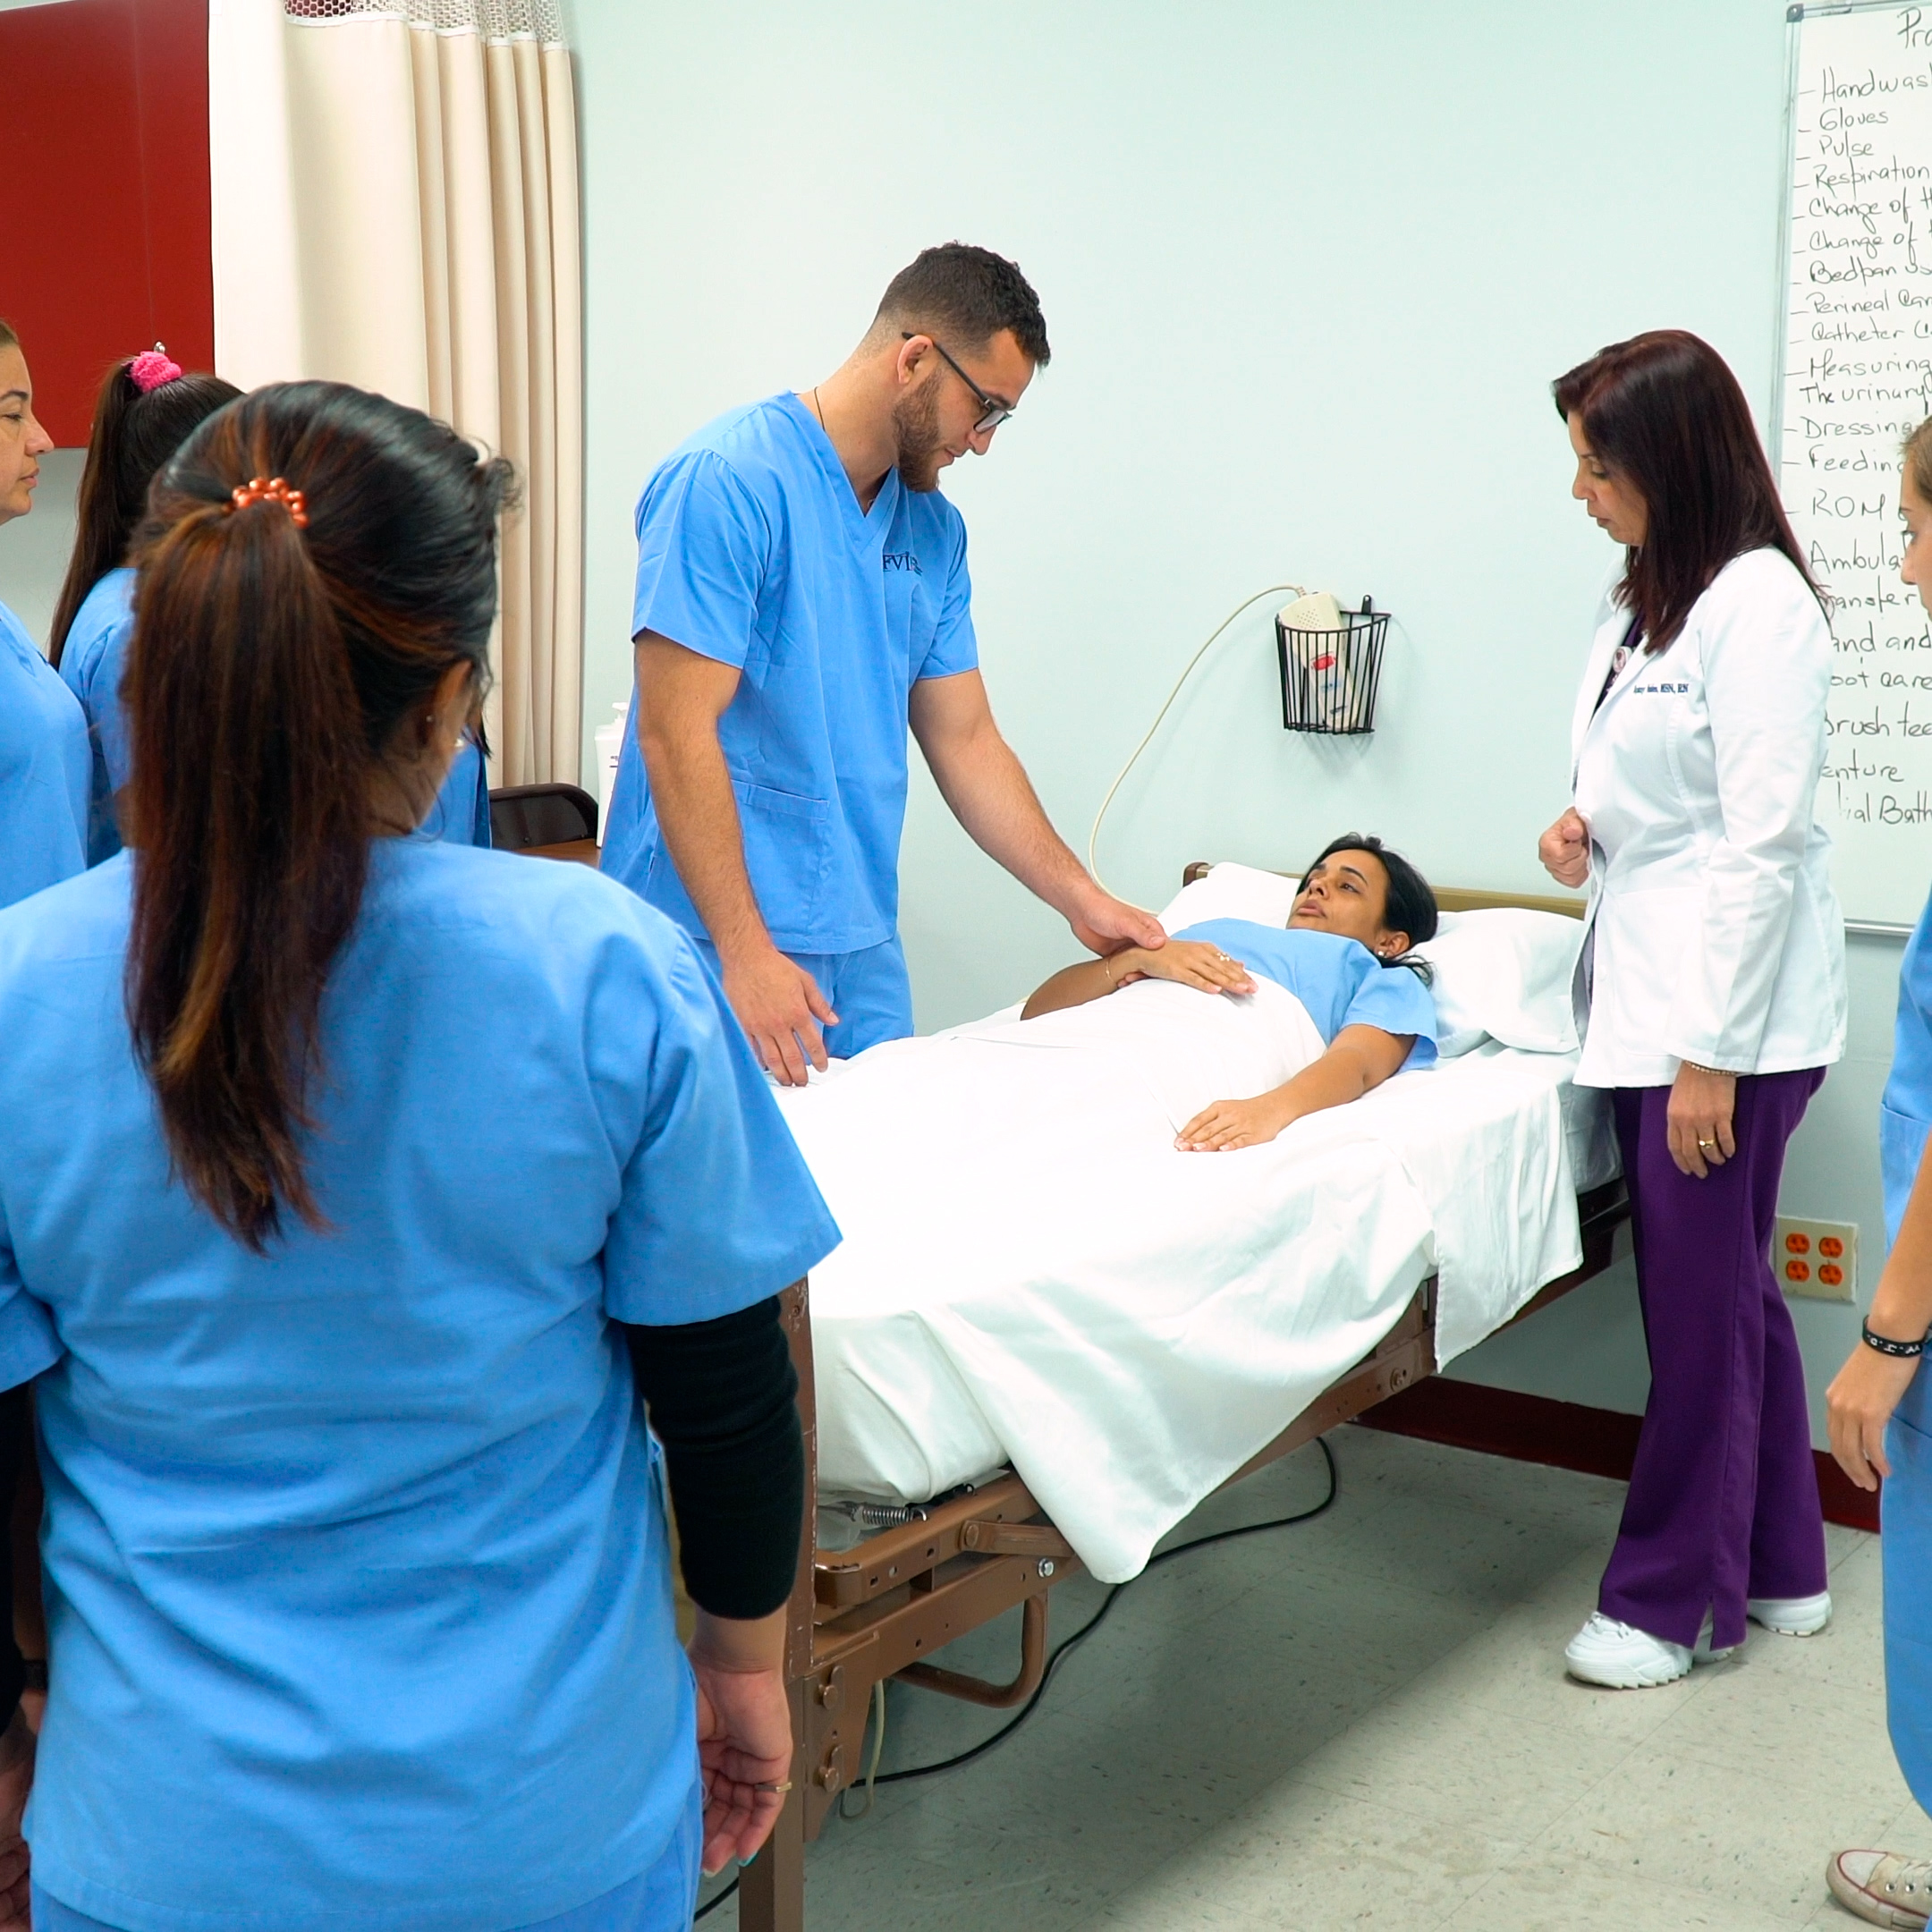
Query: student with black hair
[[147, 408], [1361, 908], [802, 599], [43, 736], [342, 1332]]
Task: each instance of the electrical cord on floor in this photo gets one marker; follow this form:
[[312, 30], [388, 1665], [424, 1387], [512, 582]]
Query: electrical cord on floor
[[1061, 1649]]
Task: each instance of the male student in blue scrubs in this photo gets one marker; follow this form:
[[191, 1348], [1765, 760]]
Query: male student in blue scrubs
[[802, 599]]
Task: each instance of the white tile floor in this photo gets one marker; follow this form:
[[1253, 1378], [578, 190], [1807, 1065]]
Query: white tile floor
[[1364, 1721]]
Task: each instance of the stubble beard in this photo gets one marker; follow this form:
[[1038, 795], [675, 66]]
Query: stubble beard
[[916, 420]]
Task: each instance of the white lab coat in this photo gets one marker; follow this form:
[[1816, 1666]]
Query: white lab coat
[[1713, 932]]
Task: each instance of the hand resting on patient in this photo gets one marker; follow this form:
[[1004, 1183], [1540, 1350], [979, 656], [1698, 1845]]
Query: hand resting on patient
[[1358, 892]]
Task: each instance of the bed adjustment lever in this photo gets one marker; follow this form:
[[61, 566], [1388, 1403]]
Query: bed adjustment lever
[[977, 1690], [986, 1537]]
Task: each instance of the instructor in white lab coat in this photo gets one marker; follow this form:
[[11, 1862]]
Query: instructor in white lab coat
[[1714, 968]]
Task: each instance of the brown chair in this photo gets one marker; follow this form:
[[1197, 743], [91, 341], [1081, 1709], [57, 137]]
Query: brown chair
[[525, 815]]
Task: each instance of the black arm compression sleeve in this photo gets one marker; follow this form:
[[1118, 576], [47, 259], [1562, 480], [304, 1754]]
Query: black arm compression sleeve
[[721, 1395], [16, 1444]]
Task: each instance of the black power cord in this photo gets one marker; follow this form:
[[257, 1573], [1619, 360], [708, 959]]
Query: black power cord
[[1079, 1636]]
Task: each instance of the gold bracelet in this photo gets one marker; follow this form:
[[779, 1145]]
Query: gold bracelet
[[1108, 971], [1696, 1066]]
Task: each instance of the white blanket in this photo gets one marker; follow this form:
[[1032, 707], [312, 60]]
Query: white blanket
[[1032, 1273]]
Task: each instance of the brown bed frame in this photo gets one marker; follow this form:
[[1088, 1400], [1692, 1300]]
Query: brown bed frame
[[857, 1617]]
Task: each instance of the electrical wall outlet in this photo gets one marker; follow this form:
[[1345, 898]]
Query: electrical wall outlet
[[1818, 1258]]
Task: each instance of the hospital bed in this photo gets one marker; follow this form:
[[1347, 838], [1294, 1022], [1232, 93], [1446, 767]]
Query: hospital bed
[[860, 1615]]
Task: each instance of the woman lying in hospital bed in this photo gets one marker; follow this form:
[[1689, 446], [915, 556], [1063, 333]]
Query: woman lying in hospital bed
[[1032, 1273], [1360, 911]]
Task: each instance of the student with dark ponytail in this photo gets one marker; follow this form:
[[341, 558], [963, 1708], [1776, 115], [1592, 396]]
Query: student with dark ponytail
[[147, 408], [359, 1196]]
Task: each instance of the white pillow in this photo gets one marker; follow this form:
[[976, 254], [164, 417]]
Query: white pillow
[[1505, 973], [1232, 892]]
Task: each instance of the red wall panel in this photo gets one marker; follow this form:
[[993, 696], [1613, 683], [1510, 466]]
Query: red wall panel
[[108, 193]]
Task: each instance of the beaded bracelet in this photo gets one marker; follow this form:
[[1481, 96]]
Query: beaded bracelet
[[1885, 1345]]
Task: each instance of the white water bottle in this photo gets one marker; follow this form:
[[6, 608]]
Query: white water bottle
[[610, 741]]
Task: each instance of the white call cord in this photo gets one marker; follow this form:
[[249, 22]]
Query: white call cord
[[1093, 838]]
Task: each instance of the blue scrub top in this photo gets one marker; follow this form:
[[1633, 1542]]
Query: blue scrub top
[[93, 662], [753, 550], [356, 1568], [1905, 1116], [1340, 981], [43, 769]]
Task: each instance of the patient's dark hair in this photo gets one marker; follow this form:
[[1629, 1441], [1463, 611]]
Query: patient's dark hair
[[1412, 902]]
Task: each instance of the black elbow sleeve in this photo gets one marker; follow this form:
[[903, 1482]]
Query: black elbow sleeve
[[16, 1446], [722, 1397]]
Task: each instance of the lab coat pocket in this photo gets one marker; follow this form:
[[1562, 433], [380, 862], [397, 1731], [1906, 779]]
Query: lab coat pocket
[[788, 853], [1640, 941]]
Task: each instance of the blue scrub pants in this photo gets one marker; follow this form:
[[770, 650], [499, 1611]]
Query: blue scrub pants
[[1905, 1514], [869, 991], [660, 1899]]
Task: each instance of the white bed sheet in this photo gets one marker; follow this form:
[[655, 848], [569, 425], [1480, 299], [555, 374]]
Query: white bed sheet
[[1127, 1346]]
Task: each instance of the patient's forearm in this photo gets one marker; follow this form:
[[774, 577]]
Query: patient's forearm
[[1358, 1058], [1341, 1074], [1075, 985]]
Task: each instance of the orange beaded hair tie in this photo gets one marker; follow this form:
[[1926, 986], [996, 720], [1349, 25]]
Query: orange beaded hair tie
[[271, 490]]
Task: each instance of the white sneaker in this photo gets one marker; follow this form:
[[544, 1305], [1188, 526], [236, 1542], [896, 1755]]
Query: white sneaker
[[1882, 1888], [1793, 1616], [1622, 1658]]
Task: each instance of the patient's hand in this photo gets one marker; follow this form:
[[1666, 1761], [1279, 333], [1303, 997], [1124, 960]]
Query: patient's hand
[[1190, 962], [1228, 1124]]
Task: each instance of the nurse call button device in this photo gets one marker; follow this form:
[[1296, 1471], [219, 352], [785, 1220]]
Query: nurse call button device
[[1817, 1259]]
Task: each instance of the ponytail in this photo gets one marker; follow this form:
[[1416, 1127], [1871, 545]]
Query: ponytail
[[282, 645], [135, 432], [266, 856]]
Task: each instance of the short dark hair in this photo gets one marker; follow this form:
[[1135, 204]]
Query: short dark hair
[[971, 294], [1664, 411], [1411, 907]]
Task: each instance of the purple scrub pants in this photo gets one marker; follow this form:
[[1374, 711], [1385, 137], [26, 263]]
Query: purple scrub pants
[[1724, 1499]]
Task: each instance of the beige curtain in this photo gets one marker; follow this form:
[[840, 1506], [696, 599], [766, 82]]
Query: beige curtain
[[395, 206]]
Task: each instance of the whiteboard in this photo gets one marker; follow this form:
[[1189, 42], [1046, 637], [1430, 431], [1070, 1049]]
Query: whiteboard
[[1855, 362]]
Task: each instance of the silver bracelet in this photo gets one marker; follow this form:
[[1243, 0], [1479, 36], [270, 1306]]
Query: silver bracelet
[[1723, 1073]]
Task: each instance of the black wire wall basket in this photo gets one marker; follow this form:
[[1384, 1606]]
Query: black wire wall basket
[[1328, 678]]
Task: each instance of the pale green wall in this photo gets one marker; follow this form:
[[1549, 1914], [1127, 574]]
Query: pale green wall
[[1308, 270]]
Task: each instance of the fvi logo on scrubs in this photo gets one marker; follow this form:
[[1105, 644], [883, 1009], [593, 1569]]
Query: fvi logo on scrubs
[[902, 560]]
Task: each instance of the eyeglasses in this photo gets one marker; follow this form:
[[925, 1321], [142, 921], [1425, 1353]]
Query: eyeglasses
[[992, 411]]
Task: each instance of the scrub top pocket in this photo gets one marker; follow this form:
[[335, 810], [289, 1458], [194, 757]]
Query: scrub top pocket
[[1902, 1139], [788, 851]]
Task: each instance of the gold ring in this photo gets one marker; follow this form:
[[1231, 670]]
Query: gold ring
[[1707, 1143], [784, 1784]]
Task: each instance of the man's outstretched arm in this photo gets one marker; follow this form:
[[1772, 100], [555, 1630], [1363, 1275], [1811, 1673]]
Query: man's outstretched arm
[[987, 789]]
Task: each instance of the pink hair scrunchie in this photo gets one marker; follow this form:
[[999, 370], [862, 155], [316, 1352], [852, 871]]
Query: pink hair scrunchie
[[151, 368]]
